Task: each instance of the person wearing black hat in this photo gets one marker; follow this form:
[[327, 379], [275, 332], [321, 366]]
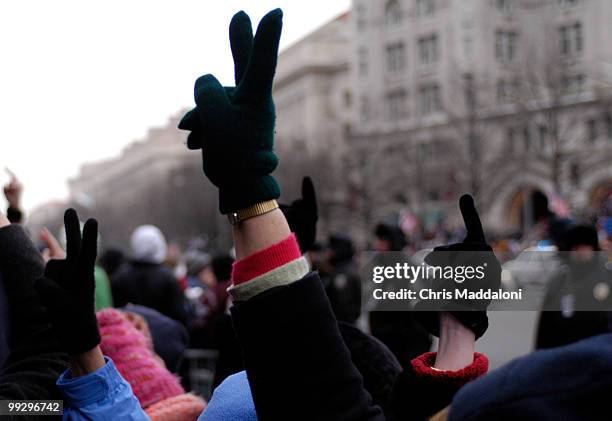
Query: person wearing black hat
[[342, 282], [577, 299]]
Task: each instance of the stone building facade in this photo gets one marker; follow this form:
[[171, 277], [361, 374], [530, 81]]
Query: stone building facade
[[496, 97]]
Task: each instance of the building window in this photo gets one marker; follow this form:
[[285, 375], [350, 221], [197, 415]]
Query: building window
[[504, 5], [571, 39], [360, 16], [425, 7], [506, 90], [362, 58], [527, 137], [572, 84], [430, 99], [396, 105], [396, 57], [592, 133], [543, 134], [468, 47], [428, 49], [505, 46], [511, 140], [393, 13], [607, 118], [348, 99], [469, 91], [502, 93], [575, 173], [365, 109]]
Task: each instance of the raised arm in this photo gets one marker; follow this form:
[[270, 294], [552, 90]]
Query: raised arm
[[296, 361], [436, 377], [92, 387]]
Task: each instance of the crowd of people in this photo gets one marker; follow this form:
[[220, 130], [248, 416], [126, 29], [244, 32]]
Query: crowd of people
[[105, 331]]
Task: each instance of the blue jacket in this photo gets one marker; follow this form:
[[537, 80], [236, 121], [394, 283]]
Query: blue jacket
[[231, 401], [101, 395]]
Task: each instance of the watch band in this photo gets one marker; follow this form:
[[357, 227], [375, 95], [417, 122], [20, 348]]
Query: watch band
[[252, 211]]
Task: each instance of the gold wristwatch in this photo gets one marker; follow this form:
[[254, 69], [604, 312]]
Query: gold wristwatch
[[252, 211]]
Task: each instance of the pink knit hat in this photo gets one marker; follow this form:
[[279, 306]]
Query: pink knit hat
[[151, 382]]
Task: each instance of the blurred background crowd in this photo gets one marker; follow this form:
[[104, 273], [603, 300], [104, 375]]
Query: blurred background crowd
[[177, 292]]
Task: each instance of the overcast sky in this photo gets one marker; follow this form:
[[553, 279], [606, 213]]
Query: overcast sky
[[81, 79]]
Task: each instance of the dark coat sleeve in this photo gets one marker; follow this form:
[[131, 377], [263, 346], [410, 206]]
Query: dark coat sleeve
[[118, 284], [298, 366], [35, 362]]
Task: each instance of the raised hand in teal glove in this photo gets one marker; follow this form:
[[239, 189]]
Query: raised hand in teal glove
[[234, 126]]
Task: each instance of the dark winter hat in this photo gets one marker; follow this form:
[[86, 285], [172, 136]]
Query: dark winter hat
[[383, 231], [392, 234], [571, 382], [316, 247], [581, 235], [111, 259], [222, 267], [557, 230], [540, 205], [342, 246]]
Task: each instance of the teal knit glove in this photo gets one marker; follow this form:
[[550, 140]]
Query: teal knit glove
[[234, 126]]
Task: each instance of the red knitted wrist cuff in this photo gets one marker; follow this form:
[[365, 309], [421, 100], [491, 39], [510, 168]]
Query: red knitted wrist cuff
[[266, 260], [423, 364]]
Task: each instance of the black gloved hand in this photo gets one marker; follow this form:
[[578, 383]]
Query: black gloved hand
[[68, 288], [472, 252], [302, 216], [234, 126]]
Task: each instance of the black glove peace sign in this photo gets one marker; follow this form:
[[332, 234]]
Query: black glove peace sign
[[234, 126], [485, 274], [68, 287], [302, 216]]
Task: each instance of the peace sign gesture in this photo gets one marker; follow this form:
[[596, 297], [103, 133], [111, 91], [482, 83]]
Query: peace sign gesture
[[255, 58], [234, 126], [68, 286]]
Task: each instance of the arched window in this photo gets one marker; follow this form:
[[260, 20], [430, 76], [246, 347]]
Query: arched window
[[393, 12]]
